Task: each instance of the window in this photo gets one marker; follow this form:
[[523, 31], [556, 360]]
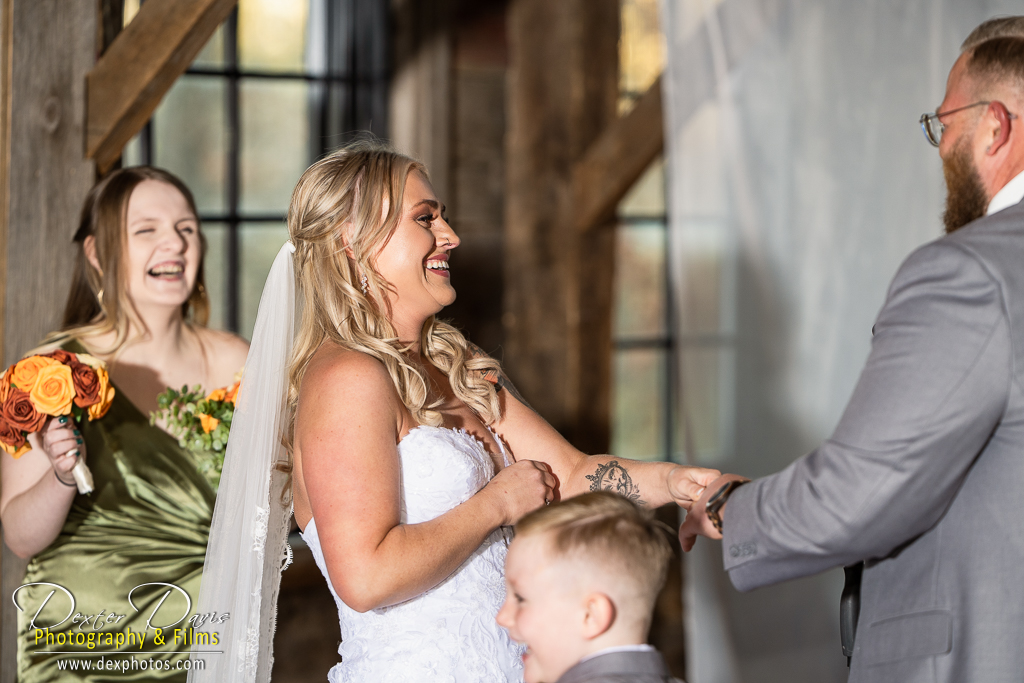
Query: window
[[279, 84], [642, 409]]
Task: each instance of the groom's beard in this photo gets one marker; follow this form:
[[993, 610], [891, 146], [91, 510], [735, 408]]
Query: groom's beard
[[965, 195]]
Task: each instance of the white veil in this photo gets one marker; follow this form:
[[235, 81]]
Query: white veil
[[248, 546]]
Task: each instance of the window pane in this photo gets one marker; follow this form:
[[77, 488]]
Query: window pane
[[131, 8], [275, 142], [259, 244], [215, 267], [189, 138], [639, 287], [641, 50], [639, 388], [646, 198], [132, 153], [212, 54], [704, 417], [272, 34]]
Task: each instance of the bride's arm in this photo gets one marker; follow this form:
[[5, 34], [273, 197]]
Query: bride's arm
[[646, 483], [347, 427]]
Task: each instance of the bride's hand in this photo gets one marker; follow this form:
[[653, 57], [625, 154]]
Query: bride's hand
[[521, 488], [686, 484]]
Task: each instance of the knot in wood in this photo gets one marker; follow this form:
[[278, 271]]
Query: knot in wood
[[51, 114]]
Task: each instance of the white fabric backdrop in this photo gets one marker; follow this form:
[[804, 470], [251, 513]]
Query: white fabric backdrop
[[799, 179]]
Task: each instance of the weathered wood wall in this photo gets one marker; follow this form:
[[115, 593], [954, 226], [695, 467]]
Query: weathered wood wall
[[48, 48], [562, 91], [420, 116]]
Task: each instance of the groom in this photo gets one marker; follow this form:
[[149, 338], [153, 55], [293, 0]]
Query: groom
[[923, 479]]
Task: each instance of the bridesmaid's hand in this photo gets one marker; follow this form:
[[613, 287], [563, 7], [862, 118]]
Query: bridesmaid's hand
[[521, 488], [63, 444]]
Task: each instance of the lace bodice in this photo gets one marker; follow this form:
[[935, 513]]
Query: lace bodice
[[447, 634]]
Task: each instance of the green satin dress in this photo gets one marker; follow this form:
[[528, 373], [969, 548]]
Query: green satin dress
[[147, 522]]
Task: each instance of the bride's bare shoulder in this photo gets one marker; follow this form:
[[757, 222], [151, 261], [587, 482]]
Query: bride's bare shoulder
[[337, 370]]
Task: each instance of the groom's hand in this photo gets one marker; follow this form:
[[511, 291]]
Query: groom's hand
[[697, 522]]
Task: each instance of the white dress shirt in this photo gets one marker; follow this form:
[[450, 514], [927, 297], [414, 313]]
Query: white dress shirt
[[1011, 195], [620, 648]]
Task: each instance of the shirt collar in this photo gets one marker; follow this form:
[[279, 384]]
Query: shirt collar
[[1011, 194], [619, 648]]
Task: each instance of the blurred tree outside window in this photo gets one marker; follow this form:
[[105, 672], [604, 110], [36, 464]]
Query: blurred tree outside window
[[281, 83]]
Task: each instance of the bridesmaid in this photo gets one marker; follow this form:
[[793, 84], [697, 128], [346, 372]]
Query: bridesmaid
[[137, 301]]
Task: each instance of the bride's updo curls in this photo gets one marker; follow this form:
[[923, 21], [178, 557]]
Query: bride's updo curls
[[353, 198]]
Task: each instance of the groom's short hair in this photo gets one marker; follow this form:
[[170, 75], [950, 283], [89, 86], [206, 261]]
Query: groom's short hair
[[607, 531], [999, 27]]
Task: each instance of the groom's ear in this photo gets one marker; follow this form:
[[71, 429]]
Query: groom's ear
[[598, 615]]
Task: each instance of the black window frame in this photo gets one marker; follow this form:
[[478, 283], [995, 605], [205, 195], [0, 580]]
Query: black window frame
[[357, 37]]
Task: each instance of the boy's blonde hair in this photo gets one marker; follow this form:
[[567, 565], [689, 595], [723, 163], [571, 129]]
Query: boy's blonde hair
[[611, 532]]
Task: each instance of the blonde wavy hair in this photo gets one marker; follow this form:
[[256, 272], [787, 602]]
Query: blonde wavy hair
[[353, 198]]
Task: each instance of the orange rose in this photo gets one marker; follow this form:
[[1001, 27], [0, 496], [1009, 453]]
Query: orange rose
[[5, 385], [217, 395], [54, 390], [27, 370], [105, 394], [232, 394], [209, 422], [16, 452], [11, 438], [91, 361], [62, 356], [20, 412], [87, 384]]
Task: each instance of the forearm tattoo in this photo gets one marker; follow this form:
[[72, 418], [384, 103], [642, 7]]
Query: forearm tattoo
[[612, 476], [499, 378]]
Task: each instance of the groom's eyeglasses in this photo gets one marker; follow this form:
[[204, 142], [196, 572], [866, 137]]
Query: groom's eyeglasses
[[933, 127]]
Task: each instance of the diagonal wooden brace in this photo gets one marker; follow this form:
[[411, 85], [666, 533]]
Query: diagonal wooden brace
[[616, 160], [140, 66]]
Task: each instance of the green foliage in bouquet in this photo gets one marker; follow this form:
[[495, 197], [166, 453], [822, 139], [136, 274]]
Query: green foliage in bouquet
[[201, 424]]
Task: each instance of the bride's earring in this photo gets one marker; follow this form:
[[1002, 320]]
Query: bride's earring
[[364, 284]]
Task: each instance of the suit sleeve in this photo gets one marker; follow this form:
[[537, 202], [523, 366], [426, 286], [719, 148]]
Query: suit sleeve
[[935, 386]]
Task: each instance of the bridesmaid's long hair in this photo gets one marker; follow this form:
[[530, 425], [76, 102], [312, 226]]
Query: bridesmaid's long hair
[[99, 302], [357, 191]]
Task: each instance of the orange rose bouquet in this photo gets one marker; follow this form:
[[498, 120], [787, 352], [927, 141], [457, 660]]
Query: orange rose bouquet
[[50, 385], [201, 424]]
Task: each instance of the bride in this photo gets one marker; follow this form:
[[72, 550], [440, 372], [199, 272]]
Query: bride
[[408, 447]]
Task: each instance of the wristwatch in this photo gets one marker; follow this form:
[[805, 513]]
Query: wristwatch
[[714, 505]]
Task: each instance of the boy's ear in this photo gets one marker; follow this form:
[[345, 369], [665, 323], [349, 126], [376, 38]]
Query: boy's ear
[[89, 247], [598, 616]]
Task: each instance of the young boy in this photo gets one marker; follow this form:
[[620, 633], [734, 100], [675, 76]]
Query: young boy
[[581, 577]]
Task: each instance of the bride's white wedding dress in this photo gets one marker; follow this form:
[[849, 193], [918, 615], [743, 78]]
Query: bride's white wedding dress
[[447, 634]]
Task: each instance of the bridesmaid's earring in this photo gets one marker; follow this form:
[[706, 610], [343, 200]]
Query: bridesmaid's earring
[[99, 297], [364, 284]]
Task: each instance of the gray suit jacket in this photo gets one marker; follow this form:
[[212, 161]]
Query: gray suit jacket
[[924, 476], [621, 667]]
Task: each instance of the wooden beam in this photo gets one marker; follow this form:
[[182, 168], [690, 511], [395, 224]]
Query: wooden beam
[[48, 48], [420, 116], [140, 66], [617, 159]]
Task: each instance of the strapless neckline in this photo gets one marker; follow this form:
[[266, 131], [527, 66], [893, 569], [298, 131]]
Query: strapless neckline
[[449, 631]]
